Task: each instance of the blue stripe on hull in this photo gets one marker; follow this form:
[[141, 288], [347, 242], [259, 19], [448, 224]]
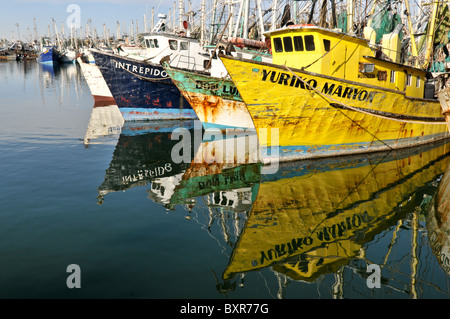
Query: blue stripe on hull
[[142, 90], [168, 126], [140, 114], [300, 152], [222, 127]]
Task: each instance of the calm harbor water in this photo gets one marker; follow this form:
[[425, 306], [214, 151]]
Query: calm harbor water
[[140, 226]]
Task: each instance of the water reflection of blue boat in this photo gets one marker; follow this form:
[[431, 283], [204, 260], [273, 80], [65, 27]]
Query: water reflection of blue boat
[[49, 56], [50, 68], [142, 154]]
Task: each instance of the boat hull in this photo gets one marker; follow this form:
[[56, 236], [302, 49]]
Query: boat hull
[[142, 90], [49, 56], [97, 85], [319, 116], [216, 101]]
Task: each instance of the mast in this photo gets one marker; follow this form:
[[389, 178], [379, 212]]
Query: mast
[[181, 13], [274, 14], [213, 22], [411, 34], [350, 13], [238, 21], [261, 21], [430, 35], [202, 24]]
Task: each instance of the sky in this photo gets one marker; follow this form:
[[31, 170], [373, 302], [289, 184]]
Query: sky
[[22, 12]]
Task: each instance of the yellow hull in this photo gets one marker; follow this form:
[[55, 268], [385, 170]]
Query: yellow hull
[[313, 217], [320, 116]]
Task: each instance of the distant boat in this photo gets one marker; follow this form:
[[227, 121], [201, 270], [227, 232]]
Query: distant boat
[[68, 56], [49, 55]]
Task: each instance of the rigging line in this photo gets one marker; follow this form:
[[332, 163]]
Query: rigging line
[[305, 67], [321, 95]]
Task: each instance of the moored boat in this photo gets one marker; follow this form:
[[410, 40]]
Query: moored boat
[[142, 90], [216, 101], [49, 55], [96, 83], [140, 85], [328, 93]]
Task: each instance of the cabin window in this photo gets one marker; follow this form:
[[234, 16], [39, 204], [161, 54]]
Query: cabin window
[[298, 43], [392, 76], [278, 45], [287, 42], [326, 45], [152, 43], [184, 45], [309, 43], [173, 44], [408, 79], [418, 82], [147, 43]]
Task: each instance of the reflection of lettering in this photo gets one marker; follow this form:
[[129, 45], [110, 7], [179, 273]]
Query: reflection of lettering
[[441, 254], [147, 173], [225, 180], [324, 234]]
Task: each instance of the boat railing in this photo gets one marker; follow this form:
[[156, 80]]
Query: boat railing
[[186, 61]]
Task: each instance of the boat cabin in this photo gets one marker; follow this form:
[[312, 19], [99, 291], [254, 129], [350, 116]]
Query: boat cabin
[[343, 56], [184, 52]]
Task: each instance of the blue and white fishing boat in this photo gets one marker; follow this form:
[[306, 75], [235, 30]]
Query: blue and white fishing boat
[[142, 90], [141, 87]]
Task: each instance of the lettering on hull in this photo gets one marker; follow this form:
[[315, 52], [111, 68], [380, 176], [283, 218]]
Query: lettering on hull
[[145, 71], [330, 89]]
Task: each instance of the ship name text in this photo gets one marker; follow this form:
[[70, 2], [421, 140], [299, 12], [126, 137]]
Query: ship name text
[[330, 89]]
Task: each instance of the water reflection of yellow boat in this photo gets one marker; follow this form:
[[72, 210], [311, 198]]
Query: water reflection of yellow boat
[[438, 223], [312, 217]]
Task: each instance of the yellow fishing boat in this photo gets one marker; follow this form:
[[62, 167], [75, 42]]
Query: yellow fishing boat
[[329, 93]]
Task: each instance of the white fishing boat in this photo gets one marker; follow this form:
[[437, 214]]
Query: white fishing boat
[[96, 83]]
